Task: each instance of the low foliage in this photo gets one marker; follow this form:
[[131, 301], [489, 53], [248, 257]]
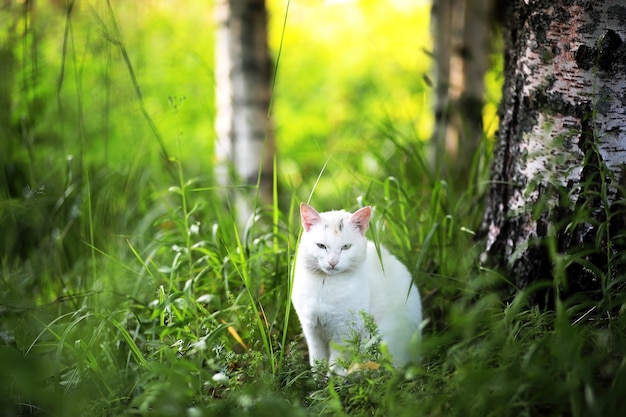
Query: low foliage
[[189, 315]]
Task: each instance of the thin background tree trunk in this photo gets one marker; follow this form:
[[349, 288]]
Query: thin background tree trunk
[[561, 144], [461, 55], [245, 142]]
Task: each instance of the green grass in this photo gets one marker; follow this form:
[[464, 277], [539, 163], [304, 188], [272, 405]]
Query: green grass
[[128, 289], [183, 313]]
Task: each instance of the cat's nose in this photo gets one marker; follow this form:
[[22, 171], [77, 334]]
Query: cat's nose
[[333, 262]]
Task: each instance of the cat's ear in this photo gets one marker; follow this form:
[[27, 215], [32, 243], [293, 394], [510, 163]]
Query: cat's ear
[[361, 219], [309, 216]]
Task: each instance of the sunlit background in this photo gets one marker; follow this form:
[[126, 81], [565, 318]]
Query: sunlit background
[[349, 75]]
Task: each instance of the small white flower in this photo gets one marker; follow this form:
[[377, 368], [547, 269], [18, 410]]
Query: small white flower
[[220, 378], [199, 345], [178, 345], [194, 412], [245, 401]]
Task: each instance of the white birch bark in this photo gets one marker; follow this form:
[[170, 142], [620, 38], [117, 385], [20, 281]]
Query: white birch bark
[[245, 143], [562, 125]]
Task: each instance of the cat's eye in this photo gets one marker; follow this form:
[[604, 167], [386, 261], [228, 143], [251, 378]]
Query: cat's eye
[[346, 247], [321, 246]]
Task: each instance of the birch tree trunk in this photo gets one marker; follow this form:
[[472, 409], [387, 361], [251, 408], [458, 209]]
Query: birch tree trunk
[[561, 145], [462, 44], [245, 141]]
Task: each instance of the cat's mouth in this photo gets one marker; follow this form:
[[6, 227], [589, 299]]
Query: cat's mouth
[[335, 270], [332, 270], [326, 269]]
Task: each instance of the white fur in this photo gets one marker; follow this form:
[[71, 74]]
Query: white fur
[[328, 299]]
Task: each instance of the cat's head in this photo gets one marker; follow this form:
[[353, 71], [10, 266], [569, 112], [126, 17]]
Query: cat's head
[[333, 242]]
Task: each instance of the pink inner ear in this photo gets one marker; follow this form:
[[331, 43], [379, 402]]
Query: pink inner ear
[[309, 216], [361, 219]]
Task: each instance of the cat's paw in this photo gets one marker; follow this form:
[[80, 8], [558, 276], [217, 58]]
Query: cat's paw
[[337, 370]]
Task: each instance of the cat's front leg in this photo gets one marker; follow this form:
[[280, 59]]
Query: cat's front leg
[[342, 345], [339, 350], [336, 361], [317, 344]]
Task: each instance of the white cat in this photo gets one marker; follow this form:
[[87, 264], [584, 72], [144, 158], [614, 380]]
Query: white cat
[[339, 274]]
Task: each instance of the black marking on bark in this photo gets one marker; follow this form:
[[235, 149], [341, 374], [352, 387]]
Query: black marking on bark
[[595, 16], [552, 103], [609, 51], [608, 56], [619, 13], [540, 25], [585, 57]]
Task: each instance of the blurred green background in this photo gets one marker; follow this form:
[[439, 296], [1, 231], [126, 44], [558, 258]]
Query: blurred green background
[[351, 74]]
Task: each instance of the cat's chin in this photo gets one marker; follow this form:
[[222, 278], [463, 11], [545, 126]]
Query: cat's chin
[[334, 271], [327, 270]]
